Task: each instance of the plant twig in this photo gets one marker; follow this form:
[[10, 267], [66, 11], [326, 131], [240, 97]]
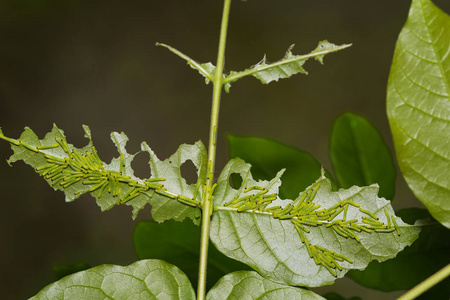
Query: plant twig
[[427, 284], [207, 201]]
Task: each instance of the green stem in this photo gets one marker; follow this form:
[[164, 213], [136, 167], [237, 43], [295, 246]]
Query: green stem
[[427, 284], [207, 201]]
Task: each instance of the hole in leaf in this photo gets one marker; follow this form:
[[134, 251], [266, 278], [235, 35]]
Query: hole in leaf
[[140, 166], [235, 181], [189, 172]]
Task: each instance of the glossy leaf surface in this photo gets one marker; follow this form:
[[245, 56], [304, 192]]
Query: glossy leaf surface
[[360, 156], [309, 241], [418, 106], [245, 285], [146, 279]]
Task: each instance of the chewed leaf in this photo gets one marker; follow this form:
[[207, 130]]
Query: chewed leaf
[[309, 241], [290, 65], [207, 70], [251, 285], [79, 171], [145, 279]]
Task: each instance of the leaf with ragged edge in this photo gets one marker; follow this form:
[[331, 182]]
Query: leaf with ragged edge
[[178, 243], [264, 71], [290, 65], [79, 171], [145, 279], [360, 156], [418, 106], [267, 157], [416, 263], [207, 70], [309, 241], [250, 285]]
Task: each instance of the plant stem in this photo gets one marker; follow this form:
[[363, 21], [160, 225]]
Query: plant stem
[[207, 201], [427, 284]]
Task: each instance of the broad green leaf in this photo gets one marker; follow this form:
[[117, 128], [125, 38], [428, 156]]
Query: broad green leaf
[[335, 296], [61, 271], [79, 171], [145, 279], [309, 241], [290, 64], [178, 243], [360, 156], [267, 157], [422, 259], [246, 285], [418, 106]]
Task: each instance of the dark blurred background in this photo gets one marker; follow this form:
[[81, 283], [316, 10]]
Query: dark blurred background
[[95, 62]]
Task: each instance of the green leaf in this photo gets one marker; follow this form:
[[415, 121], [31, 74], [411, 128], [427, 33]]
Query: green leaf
[[145, 279], [418, 106], [178, 243], [360, 156], [335, 296], [79, 171], [267, 157], [250, 285], [309, 241], [207, 70], [290, 65], [422, 259], [61, 271]]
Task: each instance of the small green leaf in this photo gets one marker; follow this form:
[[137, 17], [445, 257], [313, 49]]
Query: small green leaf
[[422, 259], [267, 157], [207, 70], [79, 171], [360, 156], [145, 279], [290, 65], [309, 241], [251, 285], [418, 106], [61, 271], [335, 296], [178, 243]]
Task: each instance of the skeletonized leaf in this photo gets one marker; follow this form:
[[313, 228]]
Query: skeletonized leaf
[[418, 106], [145, 279], [290, 65], [246, 285], [309, 241], [79, 171]]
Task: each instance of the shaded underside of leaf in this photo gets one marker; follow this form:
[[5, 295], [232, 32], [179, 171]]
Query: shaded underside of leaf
[[418, 106], [178, 243], [268, 157], [245, 285], [360, 156], [146, 279], [417, 262], [79, 171], [309, 241]]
